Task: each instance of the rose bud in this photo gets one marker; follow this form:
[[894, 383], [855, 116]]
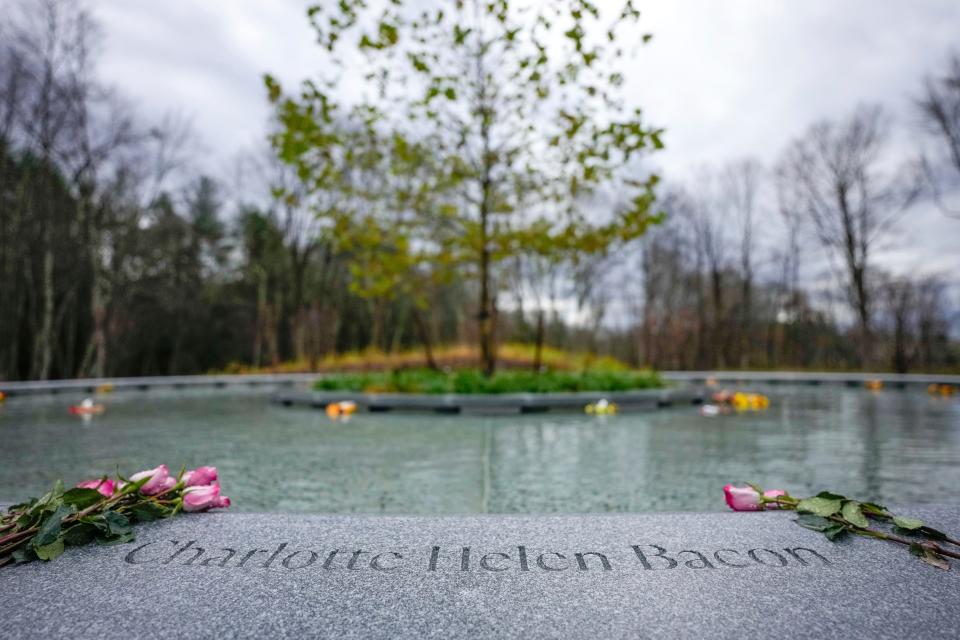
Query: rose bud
[[742, 498], [159, 482], [203, 498], [747, 499], [103, 485], [201, 476]]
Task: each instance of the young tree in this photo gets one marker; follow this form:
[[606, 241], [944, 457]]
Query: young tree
[[514, 100]]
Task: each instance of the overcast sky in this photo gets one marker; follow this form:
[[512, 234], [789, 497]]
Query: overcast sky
[[728, 79]]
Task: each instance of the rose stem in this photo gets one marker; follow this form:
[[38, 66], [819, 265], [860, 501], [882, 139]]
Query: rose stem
[[932, 546]]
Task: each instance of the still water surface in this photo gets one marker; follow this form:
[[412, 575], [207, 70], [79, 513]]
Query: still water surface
[[894, 446]]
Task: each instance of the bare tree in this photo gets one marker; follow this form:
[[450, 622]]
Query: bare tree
[[45, 50], [740, 186], [711, 243], [851, 204], [939, 107], [672, 309], [787, 254], [899, 298]]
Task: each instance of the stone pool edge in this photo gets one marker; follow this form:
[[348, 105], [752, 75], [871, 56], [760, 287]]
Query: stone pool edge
[[641, 400], [90, 385]]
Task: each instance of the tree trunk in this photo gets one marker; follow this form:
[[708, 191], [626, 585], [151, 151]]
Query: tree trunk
[[485, 315], [423, 328], [538, 342], [260, 326], [273, 332], [99, 311], [314, 330], [717, 333], [44, 339], [862, 308], [746, 319], [298, 264], [488, 356]]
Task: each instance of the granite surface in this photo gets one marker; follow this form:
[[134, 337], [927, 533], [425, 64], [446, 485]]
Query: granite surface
[[721, 575]]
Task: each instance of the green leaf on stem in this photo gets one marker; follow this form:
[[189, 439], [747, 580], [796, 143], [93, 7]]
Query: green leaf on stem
[[23, 506], [28, 520], [117, 523], [50, 529], [907, 523], [835, 531], [82, 498], [50, 551], [96, 521], [874, 508], [51, 497], [24, 554], [121, 539], [79, 534], [933, 534], [148, 512], [852, 513], [810, 521], [820, 506], [827, 495]]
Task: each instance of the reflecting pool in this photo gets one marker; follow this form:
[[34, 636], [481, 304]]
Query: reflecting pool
[[893, 446]]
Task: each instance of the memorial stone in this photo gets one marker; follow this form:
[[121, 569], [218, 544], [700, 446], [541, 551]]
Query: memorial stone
[[717, 575]]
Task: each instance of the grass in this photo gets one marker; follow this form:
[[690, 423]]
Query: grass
[[472, 381]]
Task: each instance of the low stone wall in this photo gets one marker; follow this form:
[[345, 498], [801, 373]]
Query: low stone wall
[[494, 403], [717, 575], [89, 385], [896, 380]]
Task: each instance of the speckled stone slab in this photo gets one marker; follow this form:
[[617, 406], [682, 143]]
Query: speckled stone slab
[[721, 575]]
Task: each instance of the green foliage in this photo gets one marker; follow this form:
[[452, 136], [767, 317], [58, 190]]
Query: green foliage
[[472, 381], [907, 523], [810, 521], [819, 506], [41, 528], [82, 498], [483, 136], [836, 516], [853, 514], [49, 551]]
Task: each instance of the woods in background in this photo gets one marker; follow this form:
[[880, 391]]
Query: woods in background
[[118, 258]]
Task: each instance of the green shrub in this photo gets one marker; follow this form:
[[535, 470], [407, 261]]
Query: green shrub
[[472, 381]]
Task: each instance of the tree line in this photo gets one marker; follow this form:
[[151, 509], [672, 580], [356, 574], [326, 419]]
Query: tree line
[[502, 196]]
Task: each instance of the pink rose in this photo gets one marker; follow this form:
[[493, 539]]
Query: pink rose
[[104, 486], [159, 482], [201, 476], [747, 499], [742, 498], [773, 493], [203, 498]]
